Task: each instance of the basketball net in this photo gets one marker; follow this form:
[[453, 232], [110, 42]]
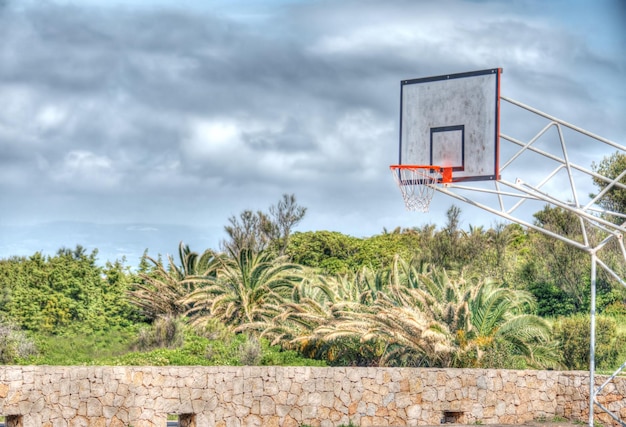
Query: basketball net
[[417, 185]]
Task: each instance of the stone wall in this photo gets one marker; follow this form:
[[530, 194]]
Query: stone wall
[[292, 396]]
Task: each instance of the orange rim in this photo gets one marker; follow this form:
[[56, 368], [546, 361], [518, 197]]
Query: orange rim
[[446, 172]]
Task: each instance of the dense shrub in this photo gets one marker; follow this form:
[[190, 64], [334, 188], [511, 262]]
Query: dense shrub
[[573, 334], [165, 332], [14, 344], [68, 292]]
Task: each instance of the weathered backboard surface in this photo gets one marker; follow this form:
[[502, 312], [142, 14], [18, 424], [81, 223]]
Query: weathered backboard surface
[[452, 121]]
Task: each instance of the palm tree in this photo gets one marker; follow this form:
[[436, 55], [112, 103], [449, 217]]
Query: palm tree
[[411, 315], [429, 319], [499, 320], [365, 319], [161, 291], [192, 263], [419, 285], [480, 316], [411, 336], [319, 319], [249, 287]]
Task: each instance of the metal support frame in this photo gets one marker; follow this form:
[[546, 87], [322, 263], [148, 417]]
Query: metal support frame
[[508, 196]]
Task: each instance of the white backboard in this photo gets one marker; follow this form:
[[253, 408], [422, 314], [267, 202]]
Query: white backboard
[[452, 121]]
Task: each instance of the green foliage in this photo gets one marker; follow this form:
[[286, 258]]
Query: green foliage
[[551, 300], [378, 252], [558, 263], [330, 251], [412, 315], [335, 253], [615, 198], [164, 332], [481, 252], [230, 350], [161, 291], [160, 357], [15, 345], [275, 356], [66, 292], [616, 309], [250, 352], [225, 352], [573, 335], [447, 247], [610, 297], [248, 287], [475, 298], [74, 348], [501, 354], [500, 319]]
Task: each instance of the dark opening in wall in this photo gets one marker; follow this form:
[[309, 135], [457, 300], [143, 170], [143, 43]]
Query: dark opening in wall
[[452, 417], [181, 420], [13, 421]]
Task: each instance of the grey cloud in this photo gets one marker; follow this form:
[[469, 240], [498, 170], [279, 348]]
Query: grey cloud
[[293, 136], [167, 114]]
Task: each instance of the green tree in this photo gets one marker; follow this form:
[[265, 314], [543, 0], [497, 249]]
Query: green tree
[[412, 314], [573, 333], [65, 292], [407, 319], [310, 322], [447, 249], [614, 199], [502, 240], [376, 318], [258, 231], [555, 262], [377, 252], [117, 308], [164, 332], [286, 214], [551, 300], [329, 251], [478, 316]]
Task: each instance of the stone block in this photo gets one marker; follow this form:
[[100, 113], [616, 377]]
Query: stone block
[[4, 390], [413, 412], [267, 406], [309, 412], [79, 421]]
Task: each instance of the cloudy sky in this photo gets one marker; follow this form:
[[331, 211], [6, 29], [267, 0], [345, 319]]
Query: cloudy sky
[[135, 124]]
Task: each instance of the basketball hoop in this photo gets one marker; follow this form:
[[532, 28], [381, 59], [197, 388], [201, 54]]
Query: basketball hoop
[[417, 183]]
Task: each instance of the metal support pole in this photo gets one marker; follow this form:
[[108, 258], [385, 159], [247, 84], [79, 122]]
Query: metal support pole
[[592, 338]]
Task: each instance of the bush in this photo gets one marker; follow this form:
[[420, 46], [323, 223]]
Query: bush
[[573, 334], [165, 332], [250, 352], [14, 344], [551, 301]]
